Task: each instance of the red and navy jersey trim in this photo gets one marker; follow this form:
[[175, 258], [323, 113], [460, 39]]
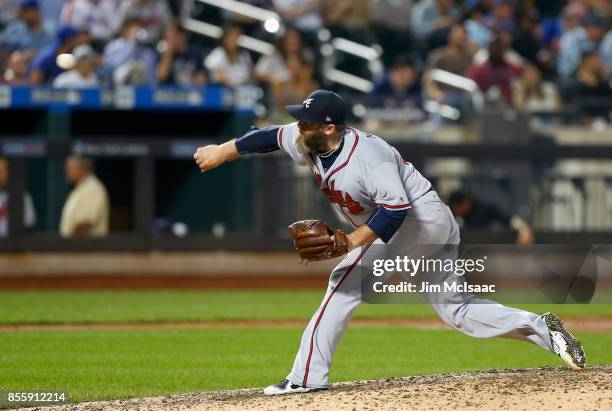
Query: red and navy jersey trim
[[341, 166], [396, 206], [280, 138]]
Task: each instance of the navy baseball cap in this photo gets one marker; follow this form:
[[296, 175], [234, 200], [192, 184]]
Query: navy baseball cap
[[322, 107]]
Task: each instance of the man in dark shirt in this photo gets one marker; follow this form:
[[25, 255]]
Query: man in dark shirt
[[181, 64], [398, 88], [472, 213]]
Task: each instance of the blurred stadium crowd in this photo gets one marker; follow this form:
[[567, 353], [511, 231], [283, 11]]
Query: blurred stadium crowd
[[532, 54]]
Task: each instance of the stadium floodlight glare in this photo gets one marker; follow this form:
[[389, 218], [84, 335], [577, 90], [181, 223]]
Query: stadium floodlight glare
[[324, 35], [272, 26]]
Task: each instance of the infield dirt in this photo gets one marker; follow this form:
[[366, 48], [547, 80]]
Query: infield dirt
[[523, 389]]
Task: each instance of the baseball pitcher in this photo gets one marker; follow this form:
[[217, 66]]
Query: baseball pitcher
[[387, 201]]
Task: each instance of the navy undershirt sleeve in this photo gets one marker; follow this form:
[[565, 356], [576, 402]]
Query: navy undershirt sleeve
[[258, 140], [386, 222]]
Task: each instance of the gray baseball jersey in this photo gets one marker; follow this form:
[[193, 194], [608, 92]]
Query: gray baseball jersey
[[368, 173]]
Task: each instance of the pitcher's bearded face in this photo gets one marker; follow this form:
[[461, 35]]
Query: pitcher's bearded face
[[311, 138]]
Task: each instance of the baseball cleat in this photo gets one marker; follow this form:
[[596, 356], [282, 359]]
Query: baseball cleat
[[286, 387], [563, 343]]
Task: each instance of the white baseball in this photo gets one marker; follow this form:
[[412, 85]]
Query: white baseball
[[65, 61]]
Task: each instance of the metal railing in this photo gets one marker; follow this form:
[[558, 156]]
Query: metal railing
[[272, 23]]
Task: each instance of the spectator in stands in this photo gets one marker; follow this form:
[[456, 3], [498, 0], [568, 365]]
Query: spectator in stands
[[473, 213], [304, 15], [605, 49], [27, 31], [478, 32], [575, 43], [530, 93], [348, 18], [590, 86], [155, 15], [495, 75], [83, 75], [510, 55], [273, 69], [16, 72], [8, 11], [573, 16], [86, 211], [501, 19], [29, 214], [180, 63], [602, 8], [227, 64], [128, 59], [526, 39], [301, 82], [456, 57], [97, 16], [430, 18], [44, 67], [400, 87]]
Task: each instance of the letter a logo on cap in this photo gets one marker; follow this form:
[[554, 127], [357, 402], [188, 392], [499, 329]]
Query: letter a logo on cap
[[307, 102]]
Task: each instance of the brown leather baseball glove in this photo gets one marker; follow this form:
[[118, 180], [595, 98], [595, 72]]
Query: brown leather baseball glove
[[314, 240]]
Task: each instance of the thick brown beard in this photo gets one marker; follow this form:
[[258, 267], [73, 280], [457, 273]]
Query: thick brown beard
[[310, 146]]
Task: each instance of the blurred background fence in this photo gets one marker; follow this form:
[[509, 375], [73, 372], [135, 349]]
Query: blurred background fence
[[159, 200]]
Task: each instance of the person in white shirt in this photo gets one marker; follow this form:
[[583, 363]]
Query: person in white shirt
[[99, 17], [127, 59], [83, 75], [29, 214], [86, 211], [228, 64]]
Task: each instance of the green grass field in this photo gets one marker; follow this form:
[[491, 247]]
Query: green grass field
[[105, 364], [168, 306]]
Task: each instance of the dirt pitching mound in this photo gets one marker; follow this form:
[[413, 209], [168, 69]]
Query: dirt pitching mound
[[524, 389]]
